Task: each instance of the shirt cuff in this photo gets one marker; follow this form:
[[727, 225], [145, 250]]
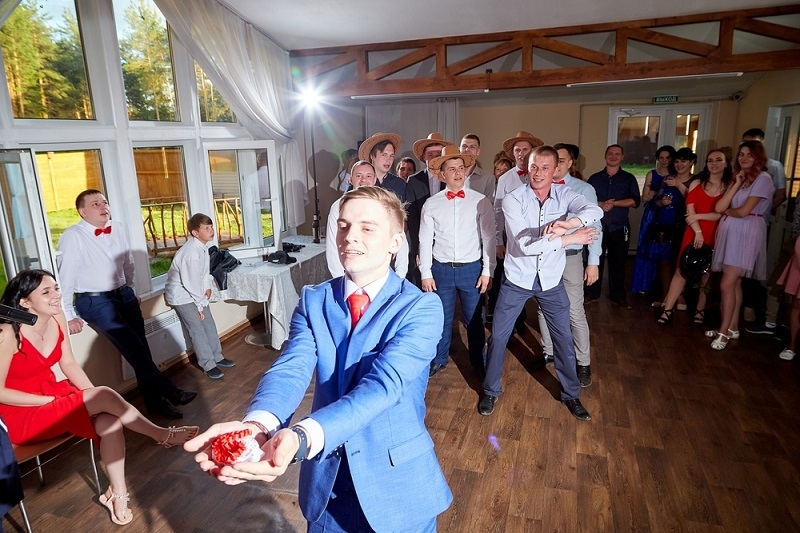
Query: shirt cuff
[[316, 436], [265, 418]]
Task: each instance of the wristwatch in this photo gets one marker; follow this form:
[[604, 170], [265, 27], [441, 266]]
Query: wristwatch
[[302, 451]]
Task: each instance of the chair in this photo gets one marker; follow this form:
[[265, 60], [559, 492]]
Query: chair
[[26, 452]]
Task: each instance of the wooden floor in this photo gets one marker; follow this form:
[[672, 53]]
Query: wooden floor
[[682, 438]]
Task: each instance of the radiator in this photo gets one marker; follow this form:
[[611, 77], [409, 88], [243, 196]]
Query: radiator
[[165, 338]]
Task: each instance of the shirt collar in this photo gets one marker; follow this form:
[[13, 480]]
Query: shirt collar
[[372, 289]]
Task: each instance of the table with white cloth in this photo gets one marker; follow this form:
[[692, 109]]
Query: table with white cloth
[[277, 286]]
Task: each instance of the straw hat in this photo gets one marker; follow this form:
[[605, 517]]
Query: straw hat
[[508, 144], [434, 138], [449, 152], [367, 146]]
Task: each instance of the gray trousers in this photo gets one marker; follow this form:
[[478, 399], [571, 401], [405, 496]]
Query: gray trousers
[[203, 334], [573, 283]]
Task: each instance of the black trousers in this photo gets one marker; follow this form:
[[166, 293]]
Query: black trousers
[[615, 246], [118, 316]]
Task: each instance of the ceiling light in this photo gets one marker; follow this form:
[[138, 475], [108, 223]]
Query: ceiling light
[[662, 78]]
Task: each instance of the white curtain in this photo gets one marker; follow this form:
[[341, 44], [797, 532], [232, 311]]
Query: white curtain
[[6, 8], [414, 120], [252, 74]]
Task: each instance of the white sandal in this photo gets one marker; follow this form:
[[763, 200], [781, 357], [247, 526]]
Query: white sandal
[[189, 432], [720, 342], [108, 502]]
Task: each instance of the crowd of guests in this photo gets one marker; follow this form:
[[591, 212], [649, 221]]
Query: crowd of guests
[[403, 250]]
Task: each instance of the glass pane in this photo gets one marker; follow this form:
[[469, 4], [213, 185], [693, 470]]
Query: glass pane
[[146, 60], [3, 276], [62, 176], [44, 63], [227, 197], [162, 193], [639, 137], [265, 198], [686, 131], [213, 108], [17, 207]]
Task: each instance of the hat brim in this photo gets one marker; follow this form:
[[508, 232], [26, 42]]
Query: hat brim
[[367, 146], [435, 164], [508, 144], [421, 145]]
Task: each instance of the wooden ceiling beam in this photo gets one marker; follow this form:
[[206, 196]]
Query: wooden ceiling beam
[[572, 50], [401, 63], [481, 58], [768, 29], [672, 42]]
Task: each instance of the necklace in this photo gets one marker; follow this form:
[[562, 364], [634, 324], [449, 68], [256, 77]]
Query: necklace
[[44, 332]]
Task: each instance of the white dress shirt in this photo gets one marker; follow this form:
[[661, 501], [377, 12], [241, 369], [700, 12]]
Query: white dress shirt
[[583, 188], [332, 250], [508, 182], [460, 230], [189, 276], [93, 263], [312, 428], [529, 253], [481, 181]]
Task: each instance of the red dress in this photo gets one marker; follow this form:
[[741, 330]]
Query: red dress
[[703, 203], [31, 372]]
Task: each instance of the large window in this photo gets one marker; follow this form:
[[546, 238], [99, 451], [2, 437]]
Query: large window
[[146, 61], [44, 62], [62, 176], [165, 211], [213, 108]]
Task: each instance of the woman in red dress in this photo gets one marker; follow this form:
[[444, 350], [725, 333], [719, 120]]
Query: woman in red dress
[[36, 407], [701, 226]]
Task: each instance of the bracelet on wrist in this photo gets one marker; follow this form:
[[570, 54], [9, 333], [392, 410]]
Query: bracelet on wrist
[[261, 427]]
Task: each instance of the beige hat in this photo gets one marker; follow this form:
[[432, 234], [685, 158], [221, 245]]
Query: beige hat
[[508, 144], [449, 152], [434, 138], [367, 146]]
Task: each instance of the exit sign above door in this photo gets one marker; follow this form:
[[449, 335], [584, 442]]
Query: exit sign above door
[[668, 99]]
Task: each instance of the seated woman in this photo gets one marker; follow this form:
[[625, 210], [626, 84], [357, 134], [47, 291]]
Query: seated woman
[[36, 407], [741, 242], [702, 220]]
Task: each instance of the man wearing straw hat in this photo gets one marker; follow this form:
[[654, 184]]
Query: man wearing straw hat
[[456, 249], [418, 190], [380, 150]]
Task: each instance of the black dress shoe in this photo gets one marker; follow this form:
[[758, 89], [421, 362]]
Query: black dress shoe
[[181, 397], [577, 410], [549, 360], [166, 410], [585, 375], [486, 405], [435, 369], [225, 363]]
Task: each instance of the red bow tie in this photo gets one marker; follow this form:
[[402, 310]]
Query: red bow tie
[[100, 231], [559, 182], [522, 172], [451, 194]]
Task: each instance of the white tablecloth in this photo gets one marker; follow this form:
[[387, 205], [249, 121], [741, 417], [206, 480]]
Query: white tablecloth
[[277, 286]]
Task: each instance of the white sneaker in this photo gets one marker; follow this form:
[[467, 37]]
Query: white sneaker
[[786, 355]]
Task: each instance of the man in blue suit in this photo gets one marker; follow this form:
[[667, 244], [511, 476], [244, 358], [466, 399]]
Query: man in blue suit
[[367, 459]]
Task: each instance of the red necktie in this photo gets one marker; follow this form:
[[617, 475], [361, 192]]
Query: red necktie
[[522, 172], [100, 231], [559, 182], [459, 194], [357, 303]]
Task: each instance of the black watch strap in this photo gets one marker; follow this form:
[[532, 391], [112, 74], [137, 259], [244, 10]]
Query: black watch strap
[[302, 451]]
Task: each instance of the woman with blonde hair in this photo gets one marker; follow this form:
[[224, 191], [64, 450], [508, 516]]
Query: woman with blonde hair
[[741, 242]]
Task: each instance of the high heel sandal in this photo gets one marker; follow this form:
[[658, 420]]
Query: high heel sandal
[[711, 333], [177, 436], [108, 503], [699, 317], [720, 342], [666, 317]]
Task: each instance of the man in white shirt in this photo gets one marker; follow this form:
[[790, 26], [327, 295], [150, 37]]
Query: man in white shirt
[[536, 222], [456, 252], [96, 268], [477, 178], [342, 180], [361, 175], [574, 274], [419, 188]]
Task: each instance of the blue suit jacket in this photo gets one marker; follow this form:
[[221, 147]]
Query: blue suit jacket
[[369, 398]]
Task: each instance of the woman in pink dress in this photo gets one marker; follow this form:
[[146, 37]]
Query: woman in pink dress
[[741, 241], [36, 407], [701, 226]]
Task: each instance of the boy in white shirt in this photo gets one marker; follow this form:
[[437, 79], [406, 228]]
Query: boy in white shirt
[[187, 291], [457, 253]]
